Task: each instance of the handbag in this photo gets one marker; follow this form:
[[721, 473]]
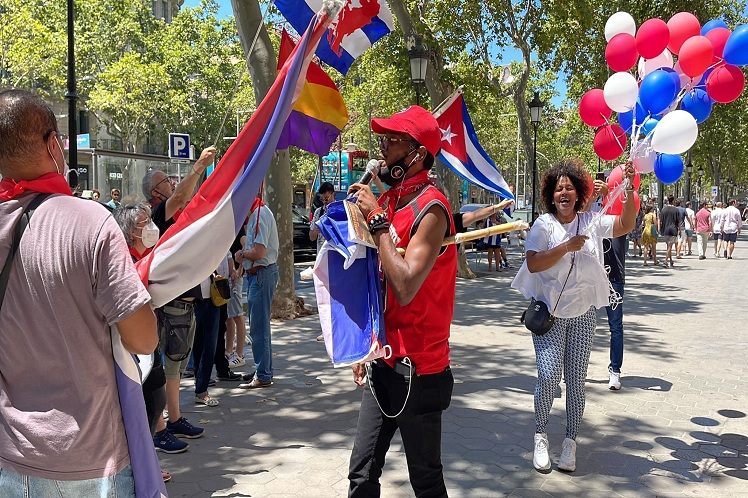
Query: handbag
[[174, 333], [537, 318], [653, 231], [220, 291]]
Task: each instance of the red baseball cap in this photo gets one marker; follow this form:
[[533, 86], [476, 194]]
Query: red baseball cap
[[416, 122]]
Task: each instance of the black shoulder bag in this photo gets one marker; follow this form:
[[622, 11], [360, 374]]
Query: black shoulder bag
[[536, 317], [19, 229]]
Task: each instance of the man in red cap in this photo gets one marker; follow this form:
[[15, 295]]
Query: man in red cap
[[410, 389]]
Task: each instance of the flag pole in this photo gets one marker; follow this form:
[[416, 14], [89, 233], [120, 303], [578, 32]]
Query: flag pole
[[449, 97], [479, 234]]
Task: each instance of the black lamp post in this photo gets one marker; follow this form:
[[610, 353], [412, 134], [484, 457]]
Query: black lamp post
[[419, 60], [689, 169], [700, 172], [72, 97], [536, 111]]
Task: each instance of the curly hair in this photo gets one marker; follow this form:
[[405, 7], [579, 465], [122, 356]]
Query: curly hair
[[573, 170]]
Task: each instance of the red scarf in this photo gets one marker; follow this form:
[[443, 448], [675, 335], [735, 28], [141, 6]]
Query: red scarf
[[136, 255], [257, 203], [389, 199], [50, 183]]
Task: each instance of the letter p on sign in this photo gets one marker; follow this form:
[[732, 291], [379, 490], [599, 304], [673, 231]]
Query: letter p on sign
[[179, 146]]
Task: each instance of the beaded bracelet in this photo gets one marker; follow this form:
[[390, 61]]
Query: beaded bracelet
[[377, 221], [384, 225], [373, 213]]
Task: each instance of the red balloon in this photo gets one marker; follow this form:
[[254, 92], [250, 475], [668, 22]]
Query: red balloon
[[718, 37], [609, 142], [696, 56], [652, 38], [593, 110], [682, 26], [621, 54], [617, 207], [591, 184], [616, 177], [725, 83]]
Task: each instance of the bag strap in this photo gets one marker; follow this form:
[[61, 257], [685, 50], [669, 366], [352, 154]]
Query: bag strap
[[573, 257], [16, 242]]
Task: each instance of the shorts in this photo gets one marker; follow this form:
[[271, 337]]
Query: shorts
[[173, 368], [235, 306], [671, 239], [120, 485], [717, 235], [730, 237], [689, 233]]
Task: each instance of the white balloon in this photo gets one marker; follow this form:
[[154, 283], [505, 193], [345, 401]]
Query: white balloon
[[621, 91], [675, 133], [646, 66], [644, 158], [686, 82], [620, 22]]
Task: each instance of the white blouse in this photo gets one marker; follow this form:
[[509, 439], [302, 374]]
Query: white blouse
[[588, 281]]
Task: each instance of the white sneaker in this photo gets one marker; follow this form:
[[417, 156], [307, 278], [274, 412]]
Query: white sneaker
[[540, 458], [614, 384], [235, 360], [568, 460]]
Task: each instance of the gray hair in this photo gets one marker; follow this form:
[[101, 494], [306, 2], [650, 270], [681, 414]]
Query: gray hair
[[26, 121], [127, 219], [147, 184]]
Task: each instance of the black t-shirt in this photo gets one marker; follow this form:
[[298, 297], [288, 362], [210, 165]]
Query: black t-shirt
[[670, 221], [158, 215], [237, 245], [459, 227], [614, 256]]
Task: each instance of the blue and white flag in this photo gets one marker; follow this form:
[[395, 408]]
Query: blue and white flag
[[462, 152], [349, 293], [358, 26]]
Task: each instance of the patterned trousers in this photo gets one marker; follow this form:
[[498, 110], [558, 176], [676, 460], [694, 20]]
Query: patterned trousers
[[565, 348]]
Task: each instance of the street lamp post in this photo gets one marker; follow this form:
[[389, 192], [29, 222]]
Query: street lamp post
[[72, 97], [689, 169], [700, 172], [536, 111], [419, 60]]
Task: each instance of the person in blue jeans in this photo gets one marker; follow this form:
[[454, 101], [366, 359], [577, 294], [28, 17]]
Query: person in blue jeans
[[260, 257], [615, 259]]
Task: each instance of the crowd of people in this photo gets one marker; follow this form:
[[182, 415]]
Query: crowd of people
[[567, 252]]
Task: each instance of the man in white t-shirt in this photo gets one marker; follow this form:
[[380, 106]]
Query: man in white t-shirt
[[730, 225], [716, 222], [689, 223]]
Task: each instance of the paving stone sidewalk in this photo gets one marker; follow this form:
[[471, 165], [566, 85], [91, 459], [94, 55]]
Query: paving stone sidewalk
[[677, 428]]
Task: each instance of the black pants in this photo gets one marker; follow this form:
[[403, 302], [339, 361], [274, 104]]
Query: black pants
[[154, 391], [222, 364], [420, 426]]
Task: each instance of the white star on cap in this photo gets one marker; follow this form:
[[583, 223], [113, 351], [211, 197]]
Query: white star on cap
[[447, 134]]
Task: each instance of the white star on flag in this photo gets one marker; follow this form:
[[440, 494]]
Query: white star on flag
[[447, 134]]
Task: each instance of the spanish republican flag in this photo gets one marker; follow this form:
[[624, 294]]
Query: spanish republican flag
[[319, 114]]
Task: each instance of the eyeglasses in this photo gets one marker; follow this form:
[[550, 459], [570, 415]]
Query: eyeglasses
[[328, 198], [155, 187], [385, 141]]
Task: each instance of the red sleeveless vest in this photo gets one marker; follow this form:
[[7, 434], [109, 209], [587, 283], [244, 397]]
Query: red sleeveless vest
[[420, 330]]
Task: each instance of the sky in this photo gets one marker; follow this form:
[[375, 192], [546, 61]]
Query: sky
[[225, 10]]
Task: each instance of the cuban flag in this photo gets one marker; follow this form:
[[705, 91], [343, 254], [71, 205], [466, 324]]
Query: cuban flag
[[349, 292], [193, 247], [359, 25], [462, 152]]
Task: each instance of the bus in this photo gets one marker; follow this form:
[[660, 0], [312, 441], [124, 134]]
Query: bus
[[342, 169]]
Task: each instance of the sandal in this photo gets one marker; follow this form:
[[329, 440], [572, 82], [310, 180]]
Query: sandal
[[165, 475], [206, 400]]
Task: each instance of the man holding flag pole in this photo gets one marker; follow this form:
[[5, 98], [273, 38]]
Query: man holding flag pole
[[409, 389]]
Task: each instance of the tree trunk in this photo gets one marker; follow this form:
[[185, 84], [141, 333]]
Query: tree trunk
[[262, 63], [438, 91]]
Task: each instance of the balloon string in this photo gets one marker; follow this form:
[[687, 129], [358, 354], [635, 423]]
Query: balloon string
[[612, 196]]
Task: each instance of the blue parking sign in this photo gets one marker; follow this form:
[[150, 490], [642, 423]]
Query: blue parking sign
[[179, 146]]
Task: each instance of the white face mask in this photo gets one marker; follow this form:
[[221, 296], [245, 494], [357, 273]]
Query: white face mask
[[65, 167], [150, 234]]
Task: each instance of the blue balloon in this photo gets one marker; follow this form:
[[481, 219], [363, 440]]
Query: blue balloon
[[649, 125], [641, 114], [673, 75], [736, 48], [657, 91], [698, 104], [626, 120], [714, 23], [668, 168]]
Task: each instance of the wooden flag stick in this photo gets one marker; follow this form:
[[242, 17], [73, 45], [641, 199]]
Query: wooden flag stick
[[479, 234]]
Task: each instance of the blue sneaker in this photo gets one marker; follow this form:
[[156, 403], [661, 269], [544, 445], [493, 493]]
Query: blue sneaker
[[182, 428], [166, 442]]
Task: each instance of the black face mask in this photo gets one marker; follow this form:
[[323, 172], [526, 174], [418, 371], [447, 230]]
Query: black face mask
[[392, 174]]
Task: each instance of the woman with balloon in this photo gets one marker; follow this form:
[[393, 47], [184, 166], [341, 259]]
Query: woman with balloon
[[564, 269]]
